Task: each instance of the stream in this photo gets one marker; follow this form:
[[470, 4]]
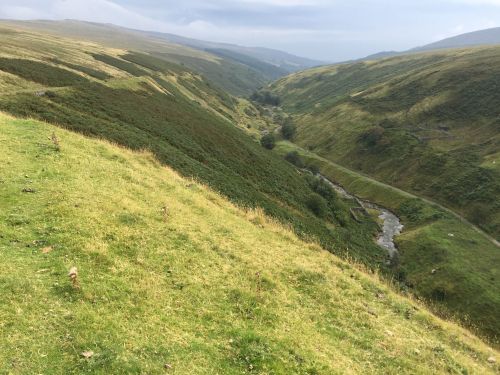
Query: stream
[[390, 228]]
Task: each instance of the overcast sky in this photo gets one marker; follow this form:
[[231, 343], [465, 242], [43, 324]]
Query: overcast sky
[[330, 30]]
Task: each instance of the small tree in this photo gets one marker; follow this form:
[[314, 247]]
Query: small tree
[[317, 205], [266, 98], [313, 168], [294, 158], [288, 130], [268, 141], [372, 137], [322, 187]]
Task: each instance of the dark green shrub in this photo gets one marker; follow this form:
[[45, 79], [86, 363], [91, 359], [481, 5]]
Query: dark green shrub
[[288, 130], [342, 217], [480, 212], [412, 209], [372, 137], [317, 205], [91, 72], [151, 62], [265, 98], [322, 188], [313, 168], [41, 73], [268, 141], [120, 64], [294, 158], [250, 112]]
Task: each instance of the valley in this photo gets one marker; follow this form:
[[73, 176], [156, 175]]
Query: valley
[[225, 209], [158, 256], [432, 239], [142, 102], [407, 122]]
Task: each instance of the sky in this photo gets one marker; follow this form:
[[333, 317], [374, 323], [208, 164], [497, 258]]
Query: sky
[[328, 30]]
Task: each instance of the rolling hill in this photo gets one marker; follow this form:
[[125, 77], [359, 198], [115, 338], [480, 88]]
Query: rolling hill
[[172, 278], [283, 60], [481, 38], [110, 110], [427, 124], [237, 70]]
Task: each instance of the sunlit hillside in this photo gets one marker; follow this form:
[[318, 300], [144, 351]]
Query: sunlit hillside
[[173, 278], [427, 123]]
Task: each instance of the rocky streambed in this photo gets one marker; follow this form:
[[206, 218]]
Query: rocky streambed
[[391, 224]]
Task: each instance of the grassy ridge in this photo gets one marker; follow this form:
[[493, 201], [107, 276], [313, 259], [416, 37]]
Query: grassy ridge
[[172, 274], [426, 123], [233, 72], [433, 239], [229, 75], [187, 124], [84, 69], [119, 64]]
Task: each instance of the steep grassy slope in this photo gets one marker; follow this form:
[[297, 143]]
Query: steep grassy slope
[[232, 71], [441, 259], [174, 279], [188, 124], [427, 123]]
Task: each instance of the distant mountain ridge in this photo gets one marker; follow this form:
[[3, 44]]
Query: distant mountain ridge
[[284, 60], [476, 38]]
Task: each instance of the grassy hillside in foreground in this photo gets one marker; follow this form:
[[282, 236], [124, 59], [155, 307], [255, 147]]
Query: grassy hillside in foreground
[[465, 280], [174, 279], [232, 72], [427, 123]]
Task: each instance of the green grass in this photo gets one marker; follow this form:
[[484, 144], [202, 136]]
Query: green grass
[[188, 124], [426, 123], [152, 63], [84, 69], [432, 239], [39, 72], [229, 75], [170, 272], [232, 72], [120, 64]]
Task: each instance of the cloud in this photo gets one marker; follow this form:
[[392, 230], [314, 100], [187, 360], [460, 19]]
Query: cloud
[[479, 2], [283, 3], [105, 11], [324, 29], [22, 12], [102, 11]]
